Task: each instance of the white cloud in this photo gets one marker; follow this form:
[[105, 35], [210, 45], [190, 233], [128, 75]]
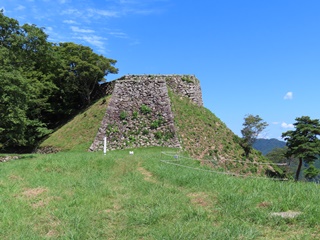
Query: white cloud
[[118, 34], [288, 96], [81, 30], [275, 123], [69, 21], [19, 8], [94, 40], [73, 12], [104, 13], [287, 125]]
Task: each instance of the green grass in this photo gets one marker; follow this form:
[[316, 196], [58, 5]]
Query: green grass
[[79, 133], [205, 136], [74, 195]]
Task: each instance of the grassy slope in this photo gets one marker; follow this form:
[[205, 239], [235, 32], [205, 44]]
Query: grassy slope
[[79, 133], [73, 195], [204, 136]]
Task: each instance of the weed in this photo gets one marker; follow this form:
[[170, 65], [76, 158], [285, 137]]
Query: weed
[[158, 135], [135, 115], [145, 109], [186, 78], [123, 115], [145, 132]]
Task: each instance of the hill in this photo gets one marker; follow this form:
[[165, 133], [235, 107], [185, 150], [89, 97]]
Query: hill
[[200, 133], [267, 145], [79, 132]]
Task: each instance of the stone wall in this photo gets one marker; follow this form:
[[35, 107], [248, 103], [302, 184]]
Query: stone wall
[[108, 87], [139, 113], [185, 85]]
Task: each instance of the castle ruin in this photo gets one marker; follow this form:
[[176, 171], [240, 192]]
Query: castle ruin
[[139, 113]]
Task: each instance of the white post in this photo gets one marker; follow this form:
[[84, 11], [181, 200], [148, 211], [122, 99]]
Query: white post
[[105, 145]]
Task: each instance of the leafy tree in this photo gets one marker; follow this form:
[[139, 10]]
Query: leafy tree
[[25, 83], [42, 82], [83, 69], [253, 126], [278, 155], [311, 172], [303, 142]]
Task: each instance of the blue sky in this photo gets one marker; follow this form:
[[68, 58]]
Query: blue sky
[[251, 57]]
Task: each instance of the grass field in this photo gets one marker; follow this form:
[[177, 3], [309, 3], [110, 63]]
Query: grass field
[[76, 195]]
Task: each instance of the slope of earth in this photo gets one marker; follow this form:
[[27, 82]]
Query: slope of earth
[[79, 133], [204, 136]]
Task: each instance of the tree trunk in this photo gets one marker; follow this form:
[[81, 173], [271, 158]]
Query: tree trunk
[[298, 170]]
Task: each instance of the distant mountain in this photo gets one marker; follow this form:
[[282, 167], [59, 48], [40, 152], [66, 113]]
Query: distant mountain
[[267, 145]]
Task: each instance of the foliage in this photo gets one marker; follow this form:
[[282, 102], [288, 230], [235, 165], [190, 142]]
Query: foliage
[[79, 74], [135, 115], [157, 123], [253, 126], [145, 109], [265, 146], [123, 115], [42, 84], [311, 172], [186, 78], [303, 142]]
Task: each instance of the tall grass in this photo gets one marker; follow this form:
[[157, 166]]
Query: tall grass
[[120, 196]]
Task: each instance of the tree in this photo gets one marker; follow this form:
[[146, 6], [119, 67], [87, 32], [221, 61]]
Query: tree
[[41, 83], [278, 155], [25, 83], [77, 76], [253, 126], [83, 70], [303, 142]]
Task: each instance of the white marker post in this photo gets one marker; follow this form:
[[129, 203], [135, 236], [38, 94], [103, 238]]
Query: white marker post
[[105, 145]]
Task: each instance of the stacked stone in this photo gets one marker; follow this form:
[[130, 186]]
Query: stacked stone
[[139, 113]]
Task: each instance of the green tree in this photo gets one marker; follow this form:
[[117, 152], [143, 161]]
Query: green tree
[[81, 72], [303, 142], [252, 127], [42, 83], [311, 172], [25, 83], [278, 155]]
